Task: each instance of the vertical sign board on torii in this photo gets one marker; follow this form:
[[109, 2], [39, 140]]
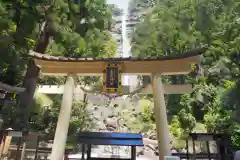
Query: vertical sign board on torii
[[112, 78]]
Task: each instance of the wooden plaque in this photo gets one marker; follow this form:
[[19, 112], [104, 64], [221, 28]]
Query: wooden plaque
[[112, 78]]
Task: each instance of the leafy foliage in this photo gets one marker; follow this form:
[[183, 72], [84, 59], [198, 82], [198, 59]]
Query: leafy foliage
[[77, 28], [175, 127], [172, 27], [47, 121], [89, 38]]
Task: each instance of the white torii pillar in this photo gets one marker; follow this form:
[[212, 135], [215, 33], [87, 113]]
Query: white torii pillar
[[60, 137], [163, 134]]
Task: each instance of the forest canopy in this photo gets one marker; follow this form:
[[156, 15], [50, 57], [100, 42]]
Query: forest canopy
[[172, 27], [76, 28]]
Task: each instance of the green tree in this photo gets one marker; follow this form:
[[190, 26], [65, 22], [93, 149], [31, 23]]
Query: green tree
[[47, 121], [49, 27], [173, 27], [175, 127]]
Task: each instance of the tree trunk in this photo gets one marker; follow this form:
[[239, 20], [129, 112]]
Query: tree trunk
[[30, 80]]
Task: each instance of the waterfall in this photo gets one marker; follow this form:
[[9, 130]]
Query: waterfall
[[126, 47]]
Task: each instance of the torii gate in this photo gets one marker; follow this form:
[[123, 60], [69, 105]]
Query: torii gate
[[156, 67]]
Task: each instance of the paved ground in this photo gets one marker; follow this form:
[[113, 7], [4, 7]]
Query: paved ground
[[147, 156]]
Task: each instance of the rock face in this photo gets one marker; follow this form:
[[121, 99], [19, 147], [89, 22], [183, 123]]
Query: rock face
[[110, 117]]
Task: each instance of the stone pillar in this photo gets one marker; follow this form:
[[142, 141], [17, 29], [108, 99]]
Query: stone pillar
[[60, 137], [163, 134]]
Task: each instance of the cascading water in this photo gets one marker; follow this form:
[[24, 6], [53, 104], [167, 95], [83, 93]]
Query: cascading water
[[126, 46]]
